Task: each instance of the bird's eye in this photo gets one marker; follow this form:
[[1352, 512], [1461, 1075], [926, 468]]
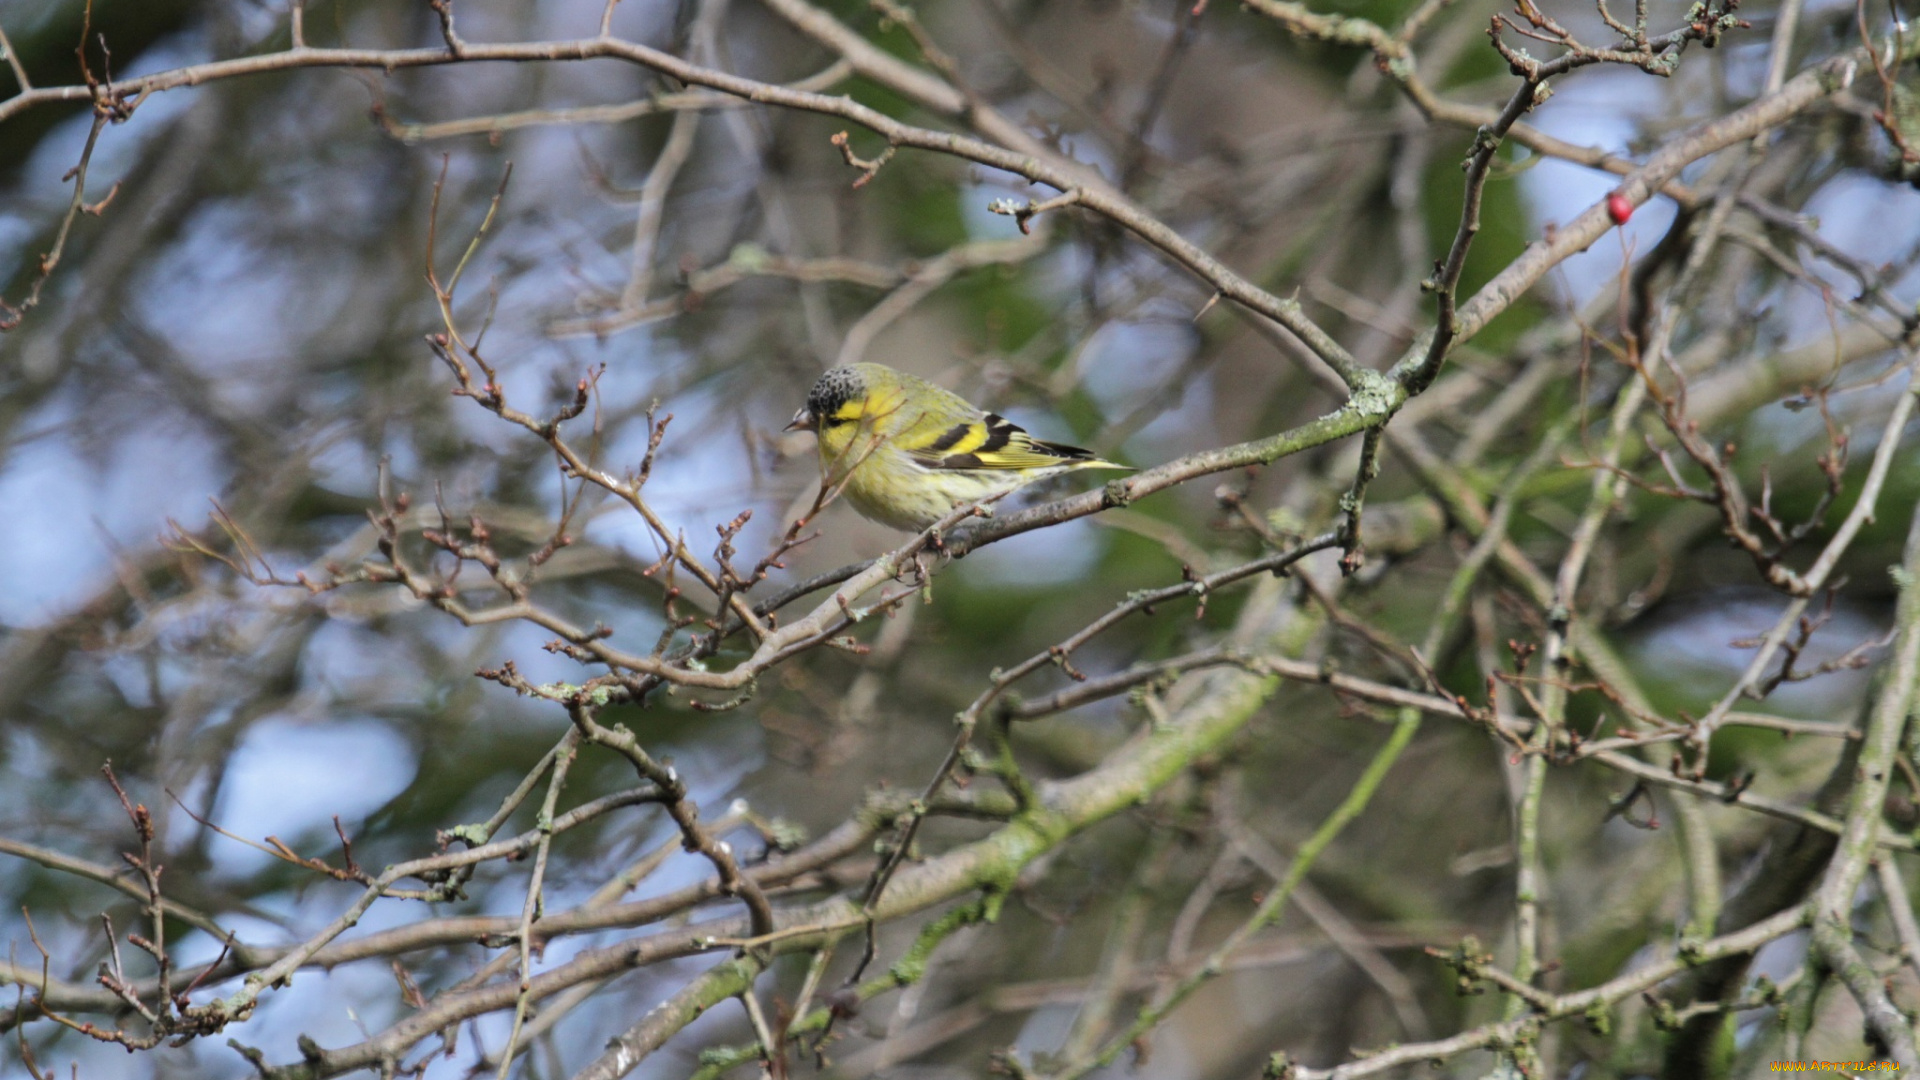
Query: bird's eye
[[836, 421]]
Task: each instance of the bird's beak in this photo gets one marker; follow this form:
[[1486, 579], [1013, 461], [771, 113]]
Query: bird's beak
[[802, 421]]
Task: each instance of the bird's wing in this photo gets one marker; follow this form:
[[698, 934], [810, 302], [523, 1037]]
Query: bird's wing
[[991, 441]]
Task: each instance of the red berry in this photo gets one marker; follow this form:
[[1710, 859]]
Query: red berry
[[1618, 208]]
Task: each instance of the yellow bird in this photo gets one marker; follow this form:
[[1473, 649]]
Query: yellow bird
[[910, 452]]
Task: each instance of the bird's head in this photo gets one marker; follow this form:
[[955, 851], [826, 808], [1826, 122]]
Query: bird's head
[[838, 397]]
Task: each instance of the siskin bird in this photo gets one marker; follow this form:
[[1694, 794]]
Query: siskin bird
[[909, 452]]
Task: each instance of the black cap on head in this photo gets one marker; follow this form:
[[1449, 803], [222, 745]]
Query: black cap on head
[[832, 390]]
